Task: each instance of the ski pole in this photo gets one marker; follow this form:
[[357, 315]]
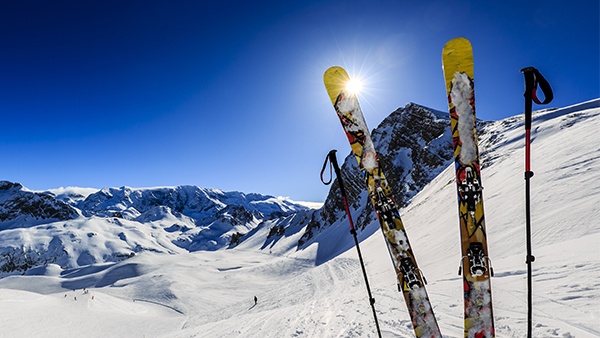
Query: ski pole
[[331, 158], [533, 78]]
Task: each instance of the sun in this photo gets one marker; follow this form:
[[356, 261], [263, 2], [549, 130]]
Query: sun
[[354, 86]]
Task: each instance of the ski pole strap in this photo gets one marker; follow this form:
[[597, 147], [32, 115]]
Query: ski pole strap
[[338, 172], [333, 165], [327, 160], [332, 159], [533, 78]]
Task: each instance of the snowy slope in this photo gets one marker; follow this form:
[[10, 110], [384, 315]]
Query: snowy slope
[[315, 291], [565, 213]]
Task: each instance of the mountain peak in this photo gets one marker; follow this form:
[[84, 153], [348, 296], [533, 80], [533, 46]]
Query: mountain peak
[[7, 185], [20, 207], [437, 113], [414, 145]]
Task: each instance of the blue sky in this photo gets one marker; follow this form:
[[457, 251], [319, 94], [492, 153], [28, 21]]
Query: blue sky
[[229, 94]]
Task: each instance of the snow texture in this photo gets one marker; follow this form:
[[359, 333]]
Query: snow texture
[[462, 96], [350, 106]]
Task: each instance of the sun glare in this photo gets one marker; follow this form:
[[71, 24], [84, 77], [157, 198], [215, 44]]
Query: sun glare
[[354, 86]]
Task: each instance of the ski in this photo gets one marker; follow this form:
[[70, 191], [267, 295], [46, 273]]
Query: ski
[[410, 279], [475, 267]]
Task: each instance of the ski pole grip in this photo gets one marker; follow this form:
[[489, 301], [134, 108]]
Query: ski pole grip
[[533, 78], [334, 162], [338, 173], [529, 88], [331, 156]]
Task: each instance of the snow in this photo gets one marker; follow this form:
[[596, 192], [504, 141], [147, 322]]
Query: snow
[[317, 291], [462, 95], [73, 191], [350, 106], [82, 316], [311, 205]]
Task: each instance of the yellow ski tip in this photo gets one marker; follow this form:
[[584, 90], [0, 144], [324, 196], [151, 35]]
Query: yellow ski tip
[[335, 79], [458, 42], [457, 55]]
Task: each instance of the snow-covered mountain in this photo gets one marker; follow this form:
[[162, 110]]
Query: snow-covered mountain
[[414, 144], [20, 207], [73, 228], [311, 286]]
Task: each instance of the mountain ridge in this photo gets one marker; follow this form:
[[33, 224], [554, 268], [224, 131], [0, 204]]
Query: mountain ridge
[[112, 224], [414, 145]]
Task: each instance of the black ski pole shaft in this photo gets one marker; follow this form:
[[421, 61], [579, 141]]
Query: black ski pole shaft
[[333, 161], [528, 174], [532, 79]]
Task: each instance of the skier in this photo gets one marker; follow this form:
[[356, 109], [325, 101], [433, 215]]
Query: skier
[[255, 300]]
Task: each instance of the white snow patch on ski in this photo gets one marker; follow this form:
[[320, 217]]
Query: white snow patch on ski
[[350, 106], [462, 94]]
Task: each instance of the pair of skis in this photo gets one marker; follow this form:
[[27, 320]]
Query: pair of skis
[[458, 70]]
